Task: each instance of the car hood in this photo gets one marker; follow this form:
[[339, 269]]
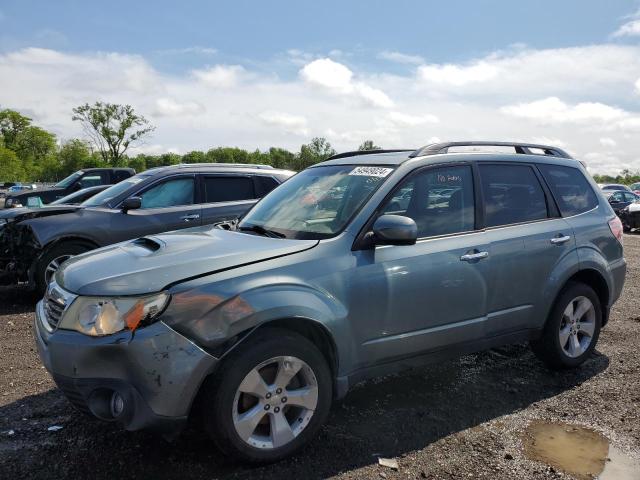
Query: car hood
[[149, 264], [34, 193], [22, 213]]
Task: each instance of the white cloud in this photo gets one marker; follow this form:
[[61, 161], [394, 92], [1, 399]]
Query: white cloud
[[458, 75], [220, 76], [608, 142], [638, 86], [553, 110], [289, 123], [337, 78], [399, 57], [407, 120], [571, 97], [171, 107], [629, 29]]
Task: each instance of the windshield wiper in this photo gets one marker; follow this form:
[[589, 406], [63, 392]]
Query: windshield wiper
[[262, 231]]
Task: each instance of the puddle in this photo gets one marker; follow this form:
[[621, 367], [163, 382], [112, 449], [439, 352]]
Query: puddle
[[580, 451]]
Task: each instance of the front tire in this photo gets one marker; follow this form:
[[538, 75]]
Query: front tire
[[53, 258], [269, 398], [572, 329]]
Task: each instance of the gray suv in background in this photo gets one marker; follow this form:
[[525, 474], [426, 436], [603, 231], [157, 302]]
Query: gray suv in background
[[158, 200], [363, 265]]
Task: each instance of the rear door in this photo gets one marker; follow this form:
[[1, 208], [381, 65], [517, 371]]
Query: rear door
[[528, 239], [226, 196], [169, 204]]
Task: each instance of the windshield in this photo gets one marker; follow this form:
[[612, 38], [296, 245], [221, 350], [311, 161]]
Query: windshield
[[69, 180], [317, 203], [113, 191]]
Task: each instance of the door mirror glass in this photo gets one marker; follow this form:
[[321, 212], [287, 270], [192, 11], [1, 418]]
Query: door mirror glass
[[131, 203], [395, 230]]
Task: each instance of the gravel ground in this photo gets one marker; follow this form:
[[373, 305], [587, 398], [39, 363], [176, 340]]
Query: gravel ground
[[460, 419]]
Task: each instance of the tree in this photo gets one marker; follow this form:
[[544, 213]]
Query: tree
[[194, 156], [368, 145], [11, 169], [317, 151], [281, 158], [12, 123], [74, 155], [33, 144], [112, 128]]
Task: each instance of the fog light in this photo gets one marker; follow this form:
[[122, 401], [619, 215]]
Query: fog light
[[117, 404]]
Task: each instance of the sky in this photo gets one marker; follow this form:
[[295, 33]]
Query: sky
[[402, 73]]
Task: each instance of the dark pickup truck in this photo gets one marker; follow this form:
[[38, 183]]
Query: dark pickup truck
[[155, 201], [88, 177]]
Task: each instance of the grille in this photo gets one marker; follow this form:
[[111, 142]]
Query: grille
[[53, 310], [73, 394], [55, 303]]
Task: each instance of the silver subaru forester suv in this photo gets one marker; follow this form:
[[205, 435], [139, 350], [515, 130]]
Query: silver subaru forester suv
[[366, 264]]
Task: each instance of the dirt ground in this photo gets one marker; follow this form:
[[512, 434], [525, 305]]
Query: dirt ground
[[460, 419]]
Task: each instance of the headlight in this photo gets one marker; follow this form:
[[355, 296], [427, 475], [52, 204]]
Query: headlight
[[104, 316]]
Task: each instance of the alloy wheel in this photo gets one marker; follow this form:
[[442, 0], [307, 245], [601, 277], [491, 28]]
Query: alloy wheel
[[275, 402], [53, 267], [577, 327]]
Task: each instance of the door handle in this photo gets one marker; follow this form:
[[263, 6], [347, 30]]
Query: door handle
[[470, 257], [560, 240], [188, 218]]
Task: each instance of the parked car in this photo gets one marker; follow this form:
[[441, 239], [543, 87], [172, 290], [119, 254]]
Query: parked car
[[268, 322], [635, 188], [157, 200], [630, 216], [614, 186], [619, 199], [59, 206], [88, 177]]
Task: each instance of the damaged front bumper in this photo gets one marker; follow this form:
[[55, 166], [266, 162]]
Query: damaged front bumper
[[144, 380]]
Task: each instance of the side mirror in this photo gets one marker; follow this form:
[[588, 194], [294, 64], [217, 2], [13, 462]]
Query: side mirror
[[131, 203], [394, 230]]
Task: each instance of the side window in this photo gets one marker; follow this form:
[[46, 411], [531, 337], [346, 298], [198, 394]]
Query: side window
[[571, 190], [512, 194], [171, 193], [228, 189], [440, 201], [120, 175], [264, 185], [91, 180], [618, 197], [629, 197]]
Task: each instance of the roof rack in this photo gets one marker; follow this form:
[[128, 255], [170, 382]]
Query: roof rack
[[520, 148], [356, 153], [234, 165]]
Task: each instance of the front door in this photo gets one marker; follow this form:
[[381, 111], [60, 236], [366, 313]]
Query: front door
[[166, 205], [423, 297]]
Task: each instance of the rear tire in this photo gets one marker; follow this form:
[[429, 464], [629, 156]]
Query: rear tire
[[235, 396], [53, 258], [572, 328]]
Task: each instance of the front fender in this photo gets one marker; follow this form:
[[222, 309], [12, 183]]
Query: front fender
[[210, 319]]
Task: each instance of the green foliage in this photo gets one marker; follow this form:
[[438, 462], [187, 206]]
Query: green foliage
[[368, 145], [30, 153], [112, 128]]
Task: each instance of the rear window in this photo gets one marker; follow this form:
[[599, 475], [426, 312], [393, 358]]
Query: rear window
[[512, 194], [228, 189], [570, 188]]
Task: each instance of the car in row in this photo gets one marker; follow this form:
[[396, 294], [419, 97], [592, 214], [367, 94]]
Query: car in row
[[34, 245], [88, 177], [414, 257]]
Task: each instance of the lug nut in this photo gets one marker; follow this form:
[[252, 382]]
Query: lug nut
[[268, 395], [267, 407], [279, 391], [277, 409], [284, 399]]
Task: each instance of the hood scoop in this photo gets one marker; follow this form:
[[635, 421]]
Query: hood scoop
[[148, 243]]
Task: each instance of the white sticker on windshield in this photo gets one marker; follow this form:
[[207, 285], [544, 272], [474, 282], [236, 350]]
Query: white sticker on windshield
[[371, 171]]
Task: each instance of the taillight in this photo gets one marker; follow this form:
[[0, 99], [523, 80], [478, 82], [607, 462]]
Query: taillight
[[616, 228]]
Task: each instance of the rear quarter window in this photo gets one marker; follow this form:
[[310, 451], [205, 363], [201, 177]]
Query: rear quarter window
[[570, 188]]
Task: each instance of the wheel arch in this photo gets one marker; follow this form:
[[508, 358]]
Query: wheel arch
[[54, 243], [596, 280]]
